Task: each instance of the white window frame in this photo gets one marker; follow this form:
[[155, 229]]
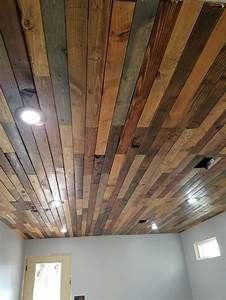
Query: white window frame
[[199, 243]]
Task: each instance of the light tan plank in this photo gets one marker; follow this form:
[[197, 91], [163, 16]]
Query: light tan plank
[[118, 38], [180, 35], [33, 27], [207, 57], [5, 144]]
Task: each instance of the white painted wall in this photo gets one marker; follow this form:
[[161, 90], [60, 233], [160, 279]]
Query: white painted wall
[[145, 267], [207, 277], [11, 262]]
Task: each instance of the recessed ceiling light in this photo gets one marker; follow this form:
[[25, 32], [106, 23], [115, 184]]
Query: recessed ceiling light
[[192, 200], [154, 226], [56, 203], [63, 229], [30, 116]]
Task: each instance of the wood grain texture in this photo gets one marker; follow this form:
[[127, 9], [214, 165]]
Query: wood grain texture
[[77, 25], [140, 33], [98, 30], [164, 23], [31, 20], [174, 50], [215, 42], [122, 14], [133, 94], [53, 16]]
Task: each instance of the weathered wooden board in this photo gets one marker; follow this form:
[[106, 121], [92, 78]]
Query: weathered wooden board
[[97, 39], [122, 13]]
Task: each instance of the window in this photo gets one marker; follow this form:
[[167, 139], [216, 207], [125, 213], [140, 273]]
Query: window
[[207, 249], [47, 281]]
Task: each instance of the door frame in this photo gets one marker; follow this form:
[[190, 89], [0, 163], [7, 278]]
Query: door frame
[[29, 274]]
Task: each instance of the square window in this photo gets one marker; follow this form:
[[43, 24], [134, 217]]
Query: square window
[[207, 249]]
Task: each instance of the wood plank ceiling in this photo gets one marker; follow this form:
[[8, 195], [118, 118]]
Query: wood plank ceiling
[[133, 94]]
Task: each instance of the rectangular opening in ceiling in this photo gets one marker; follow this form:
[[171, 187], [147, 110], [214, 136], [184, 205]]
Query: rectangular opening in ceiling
[[142, 221], [205, 163]]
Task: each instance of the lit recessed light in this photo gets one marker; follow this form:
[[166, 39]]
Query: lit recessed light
[[63, 229], [30, 116], [154, 226], [56, 203], [192, 200]]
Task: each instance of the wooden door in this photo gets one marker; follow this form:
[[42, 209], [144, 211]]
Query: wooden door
[[47, 278]]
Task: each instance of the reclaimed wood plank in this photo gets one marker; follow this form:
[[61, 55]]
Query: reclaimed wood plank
[[53, 16], [166, 14], [177, 42], [77, 24], [31, 21], [122, 13], [98, 30], [5, 144], [143, 19], [214, 44]]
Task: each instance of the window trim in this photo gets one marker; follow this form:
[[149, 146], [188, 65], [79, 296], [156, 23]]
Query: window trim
[[196, 248]]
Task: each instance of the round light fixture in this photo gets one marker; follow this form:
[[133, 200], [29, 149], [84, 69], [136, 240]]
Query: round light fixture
[[63, 229], [56, 203], [30, 116], [154, 226], [192, 200]]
